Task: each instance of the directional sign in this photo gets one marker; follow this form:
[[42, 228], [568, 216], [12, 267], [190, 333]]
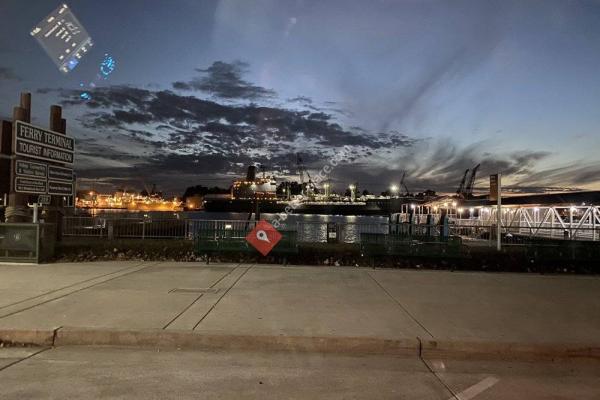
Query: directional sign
[[60, 174], [44, 199], [35, 142], [31, 169], [60, 188], [30, 185]]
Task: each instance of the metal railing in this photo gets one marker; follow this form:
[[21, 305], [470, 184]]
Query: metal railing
[[519, 235], [315, 232]]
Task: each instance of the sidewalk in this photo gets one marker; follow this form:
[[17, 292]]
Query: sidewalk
[[302, 307]]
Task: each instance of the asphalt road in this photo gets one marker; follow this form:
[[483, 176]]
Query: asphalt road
[[126, 373]]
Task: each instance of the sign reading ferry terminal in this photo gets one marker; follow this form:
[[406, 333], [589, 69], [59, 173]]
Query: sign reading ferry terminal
[[34, 142]]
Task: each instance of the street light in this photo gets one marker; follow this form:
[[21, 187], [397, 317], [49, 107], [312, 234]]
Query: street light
[[394, 189], [326, 186], [352, 188]]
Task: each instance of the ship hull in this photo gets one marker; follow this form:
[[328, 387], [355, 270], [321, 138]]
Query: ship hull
[[370, 207]]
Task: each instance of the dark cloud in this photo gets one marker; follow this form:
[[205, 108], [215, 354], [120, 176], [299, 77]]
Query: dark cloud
[[173, 137], [575, 174], [224, 80], [180, 140], [439, 166], [188, 120], [7, 74], [300, 99]]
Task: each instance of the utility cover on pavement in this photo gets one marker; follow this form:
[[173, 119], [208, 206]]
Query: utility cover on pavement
[[264, 237]]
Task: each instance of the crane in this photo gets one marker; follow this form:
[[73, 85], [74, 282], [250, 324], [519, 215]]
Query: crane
[[300, 166], [402, 184], [469, 188], [301, 171], [461, 188]]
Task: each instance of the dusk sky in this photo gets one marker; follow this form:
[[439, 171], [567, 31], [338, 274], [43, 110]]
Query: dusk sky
[[202, 88]]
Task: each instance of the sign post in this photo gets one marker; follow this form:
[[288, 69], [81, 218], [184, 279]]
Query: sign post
[[496, 194]]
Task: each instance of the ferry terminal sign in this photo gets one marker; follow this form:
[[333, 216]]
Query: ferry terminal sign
[[32, 141], [49, 147]]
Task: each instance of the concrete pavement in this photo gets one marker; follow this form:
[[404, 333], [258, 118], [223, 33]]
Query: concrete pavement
[[444, 310], [134, 373]]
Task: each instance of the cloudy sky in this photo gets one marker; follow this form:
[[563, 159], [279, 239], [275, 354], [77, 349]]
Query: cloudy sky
[[204, 88]]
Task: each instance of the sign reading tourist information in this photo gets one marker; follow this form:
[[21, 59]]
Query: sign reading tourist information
[[34, 142], [49, 147], [29, 185]]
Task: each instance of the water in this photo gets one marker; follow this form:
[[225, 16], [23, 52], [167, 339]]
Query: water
[[310, 227], [313, 227]]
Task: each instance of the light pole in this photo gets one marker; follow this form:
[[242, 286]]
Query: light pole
[[394, 189], [352, 188]]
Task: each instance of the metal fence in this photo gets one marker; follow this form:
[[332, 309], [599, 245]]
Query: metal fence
[[315, 232]]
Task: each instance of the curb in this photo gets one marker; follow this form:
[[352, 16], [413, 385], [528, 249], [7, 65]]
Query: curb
[[29, 337], [424, 348], [193, 340], [506, 350]]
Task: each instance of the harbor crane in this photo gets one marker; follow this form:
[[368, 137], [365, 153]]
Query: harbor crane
[[402, 184], [461, 187], [469, 188], [310, 186], [465, 190]]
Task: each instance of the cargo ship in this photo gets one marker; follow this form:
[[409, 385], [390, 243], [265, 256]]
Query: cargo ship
[[247, 193]]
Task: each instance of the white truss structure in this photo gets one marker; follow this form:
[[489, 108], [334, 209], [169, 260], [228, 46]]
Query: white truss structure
[[566, 222], [559, 222]]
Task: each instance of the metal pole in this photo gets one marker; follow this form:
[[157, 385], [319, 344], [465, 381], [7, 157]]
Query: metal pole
[[35, 213], [499, 215]]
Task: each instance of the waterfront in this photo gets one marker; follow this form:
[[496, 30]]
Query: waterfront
[[310, 227]]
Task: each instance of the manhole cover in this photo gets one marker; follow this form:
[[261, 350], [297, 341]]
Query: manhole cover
[[194, 290]]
